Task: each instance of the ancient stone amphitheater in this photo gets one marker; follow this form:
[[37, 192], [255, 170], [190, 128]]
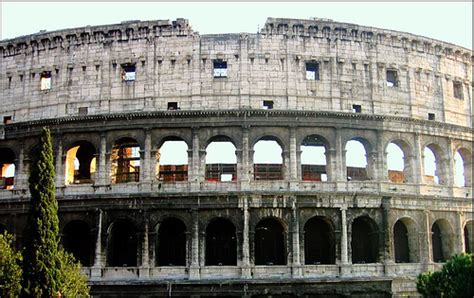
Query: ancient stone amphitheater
[[223, 165]]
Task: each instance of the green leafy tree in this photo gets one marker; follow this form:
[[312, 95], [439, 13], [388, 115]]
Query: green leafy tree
[[454, 280], [73, 282], [47, 270], [10, 268]]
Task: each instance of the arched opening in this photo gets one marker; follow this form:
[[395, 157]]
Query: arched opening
[[77, 239], [469, 237], [356, 160], [7, 168], [125, 161], [267, 159], [396, 163], [172, 161], [270, 243], [432, 164], [462, 168], [122, 244], [2, 229], [313, 158], [221, 243], [221, 161], [402, 248], [441, 233], [319, 242], [80, 163], [171, 246], [365, 241]]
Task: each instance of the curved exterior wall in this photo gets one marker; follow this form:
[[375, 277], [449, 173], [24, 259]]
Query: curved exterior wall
[[175, 64]]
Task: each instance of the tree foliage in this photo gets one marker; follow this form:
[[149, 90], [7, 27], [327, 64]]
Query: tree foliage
[[47, 270], [454, 280], [10, 268]]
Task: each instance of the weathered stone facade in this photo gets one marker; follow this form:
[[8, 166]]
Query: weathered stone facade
[[140, 84]]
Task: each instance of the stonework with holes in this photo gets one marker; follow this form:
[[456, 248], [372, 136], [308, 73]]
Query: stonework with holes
[[308, 222]]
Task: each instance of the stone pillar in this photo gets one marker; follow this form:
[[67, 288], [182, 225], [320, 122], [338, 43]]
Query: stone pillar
[[102, 165], [459, 234], [340, 172], [148, 161], [448, 173], [345, 266], [21, 170], [246, 270], [295, 233], [194, 272], [96, 270], [60, 161], [387, 235], [381, 173], [245, 170], [286, 164], [293, 155], [426, 248], [418, 167], [196, 161], [145, 267]]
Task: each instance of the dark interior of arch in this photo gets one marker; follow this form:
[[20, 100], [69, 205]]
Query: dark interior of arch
[[2, 229], [221, 243], [365, 242], [269, 243], [7, 157], [171, 246], [85, 154], [319, 242], [437, 243], [400, 238], [77, 239], [122, 246], [467, 238], [126, 162]]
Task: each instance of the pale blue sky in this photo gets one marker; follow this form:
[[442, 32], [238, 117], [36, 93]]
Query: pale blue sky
[[451, 22]]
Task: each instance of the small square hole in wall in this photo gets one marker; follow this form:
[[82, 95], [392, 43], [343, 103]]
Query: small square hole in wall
[[356, 108], [45, 80], [268, 104], [128, 72], [431, 116], [312, 71], [83, 110], [173, 106], [7, 119], [392, 78], [220, 69], [457, 90]]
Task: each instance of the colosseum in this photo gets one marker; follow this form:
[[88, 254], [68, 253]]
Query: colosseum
[[313, 158]]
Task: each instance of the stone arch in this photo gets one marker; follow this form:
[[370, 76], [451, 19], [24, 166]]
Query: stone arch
[[221, 242], [171, 243], [319, 241], [7, 168], [78, 240], [406, 170], [358, 168], [122, 244], [81, 163], [441, 240], [468, 233], [364, 240], [125, 160], [314, 158], [433, 164], [269, 242], [268, 160], [173, 136], [221, 159], [405, 241], [172, 159], [463, 172]]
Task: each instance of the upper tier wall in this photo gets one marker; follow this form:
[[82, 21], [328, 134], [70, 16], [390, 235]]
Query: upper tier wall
[[175, 64]]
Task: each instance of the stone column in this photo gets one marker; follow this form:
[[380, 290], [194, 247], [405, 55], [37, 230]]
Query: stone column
[[148, 161], [196, 161], [145, 267], [286, 164], [459, 233], [381, 173], [293, 155], [245, 161], [340, 162], [448, 174], [418, 167], [102, 165], [246, 270], [60, 160], [194, 272], [96, 270], [295, 233], [345, 266], [387, 236], [21, 170], [426, 248]]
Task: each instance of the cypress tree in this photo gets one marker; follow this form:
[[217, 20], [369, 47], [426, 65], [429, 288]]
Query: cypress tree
[[40, 259]]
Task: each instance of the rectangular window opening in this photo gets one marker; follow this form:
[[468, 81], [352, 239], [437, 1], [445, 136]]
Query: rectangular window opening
[[173, 106], [312, 71], [356, 108], [7, 119], [83, 110], [45, 80], [268, 104], [457, 90], [392, 78], [220, 69], [431, 116], [128, 72]]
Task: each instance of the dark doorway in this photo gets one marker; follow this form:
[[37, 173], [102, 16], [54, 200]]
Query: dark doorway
[[319, 244], [437, 243], [400, 238], [269, 243], [122, 246], [365, 242], [467, 238], [78, 241], [171, 248], [221, 243]]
